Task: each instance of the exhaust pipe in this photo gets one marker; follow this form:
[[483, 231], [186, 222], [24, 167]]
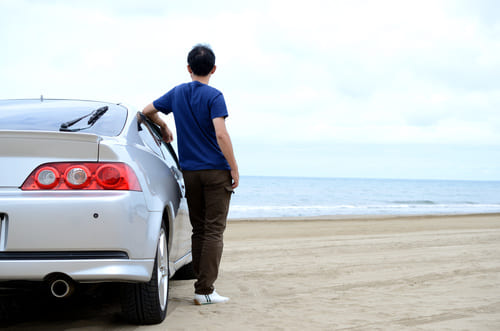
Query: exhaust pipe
[[61, 287]]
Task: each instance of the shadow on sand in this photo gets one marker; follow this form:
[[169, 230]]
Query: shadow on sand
[[33, 307]]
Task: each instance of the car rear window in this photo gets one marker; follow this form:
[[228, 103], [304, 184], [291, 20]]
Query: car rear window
[[48, 115]]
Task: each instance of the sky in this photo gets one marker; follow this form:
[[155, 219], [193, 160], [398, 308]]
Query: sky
[[366, 89]]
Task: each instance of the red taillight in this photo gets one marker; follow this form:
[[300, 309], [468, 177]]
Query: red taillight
[[82, 175], [109, 176]]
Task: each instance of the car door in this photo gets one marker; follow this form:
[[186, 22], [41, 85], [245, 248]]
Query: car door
[[180, 231]]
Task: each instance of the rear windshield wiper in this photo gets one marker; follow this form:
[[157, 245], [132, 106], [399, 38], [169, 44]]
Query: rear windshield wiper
[[94, 116]]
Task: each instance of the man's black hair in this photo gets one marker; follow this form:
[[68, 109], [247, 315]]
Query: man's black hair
[[201, 59]]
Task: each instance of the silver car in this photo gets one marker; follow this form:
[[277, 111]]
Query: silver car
[[89, 192]]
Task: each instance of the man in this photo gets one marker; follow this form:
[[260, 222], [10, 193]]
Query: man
[[208, 164]]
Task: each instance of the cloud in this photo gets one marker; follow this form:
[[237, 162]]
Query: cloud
[[317, 71], [384, 72]]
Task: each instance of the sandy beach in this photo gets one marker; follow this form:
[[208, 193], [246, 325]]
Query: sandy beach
[[331, 273]]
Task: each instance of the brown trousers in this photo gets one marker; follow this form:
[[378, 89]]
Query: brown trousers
[[208, 193]]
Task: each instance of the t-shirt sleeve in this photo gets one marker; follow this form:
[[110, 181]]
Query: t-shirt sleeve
[[218, 107], [164, 103]]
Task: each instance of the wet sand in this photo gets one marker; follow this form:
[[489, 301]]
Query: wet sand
[[327, 273]]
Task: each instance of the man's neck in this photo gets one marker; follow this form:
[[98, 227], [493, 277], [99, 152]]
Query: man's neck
[[201, 79]]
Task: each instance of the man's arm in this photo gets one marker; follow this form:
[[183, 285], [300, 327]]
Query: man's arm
[[226, 147], [151, 112]]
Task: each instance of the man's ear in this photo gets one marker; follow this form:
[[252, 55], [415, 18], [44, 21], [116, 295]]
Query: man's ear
[[189, 69], [213, 69]]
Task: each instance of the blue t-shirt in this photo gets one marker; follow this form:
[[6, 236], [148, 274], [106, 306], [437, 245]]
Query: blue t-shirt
[[194, 106]]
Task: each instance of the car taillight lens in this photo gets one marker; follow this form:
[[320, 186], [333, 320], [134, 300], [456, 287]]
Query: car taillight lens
[[82, 175], [47, 177], [109, 176], [77, 176]]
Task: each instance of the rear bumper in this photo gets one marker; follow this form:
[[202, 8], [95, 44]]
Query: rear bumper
[[78, 221], [90, 236], [78, 270]]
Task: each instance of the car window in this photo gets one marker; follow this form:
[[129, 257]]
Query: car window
[[168, 157], [149, 139], [48, 115], [168, 152], [166, 148]]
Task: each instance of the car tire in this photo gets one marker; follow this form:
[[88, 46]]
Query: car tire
[[186, 272], [146, 303]]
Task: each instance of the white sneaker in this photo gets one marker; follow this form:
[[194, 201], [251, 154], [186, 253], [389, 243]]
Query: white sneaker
[[206, 299]]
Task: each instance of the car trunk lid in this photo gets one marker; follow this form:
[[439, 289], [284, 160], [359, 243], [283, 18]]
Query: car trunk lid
[[22, 151]]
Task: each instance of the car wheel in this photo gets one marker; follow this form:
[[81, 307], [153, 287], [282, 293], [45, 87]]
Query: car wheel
[[146, 303], [185, 272]]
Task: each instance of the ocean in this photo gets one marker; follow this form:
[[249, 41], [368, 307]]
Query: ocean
[[294, 196]]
